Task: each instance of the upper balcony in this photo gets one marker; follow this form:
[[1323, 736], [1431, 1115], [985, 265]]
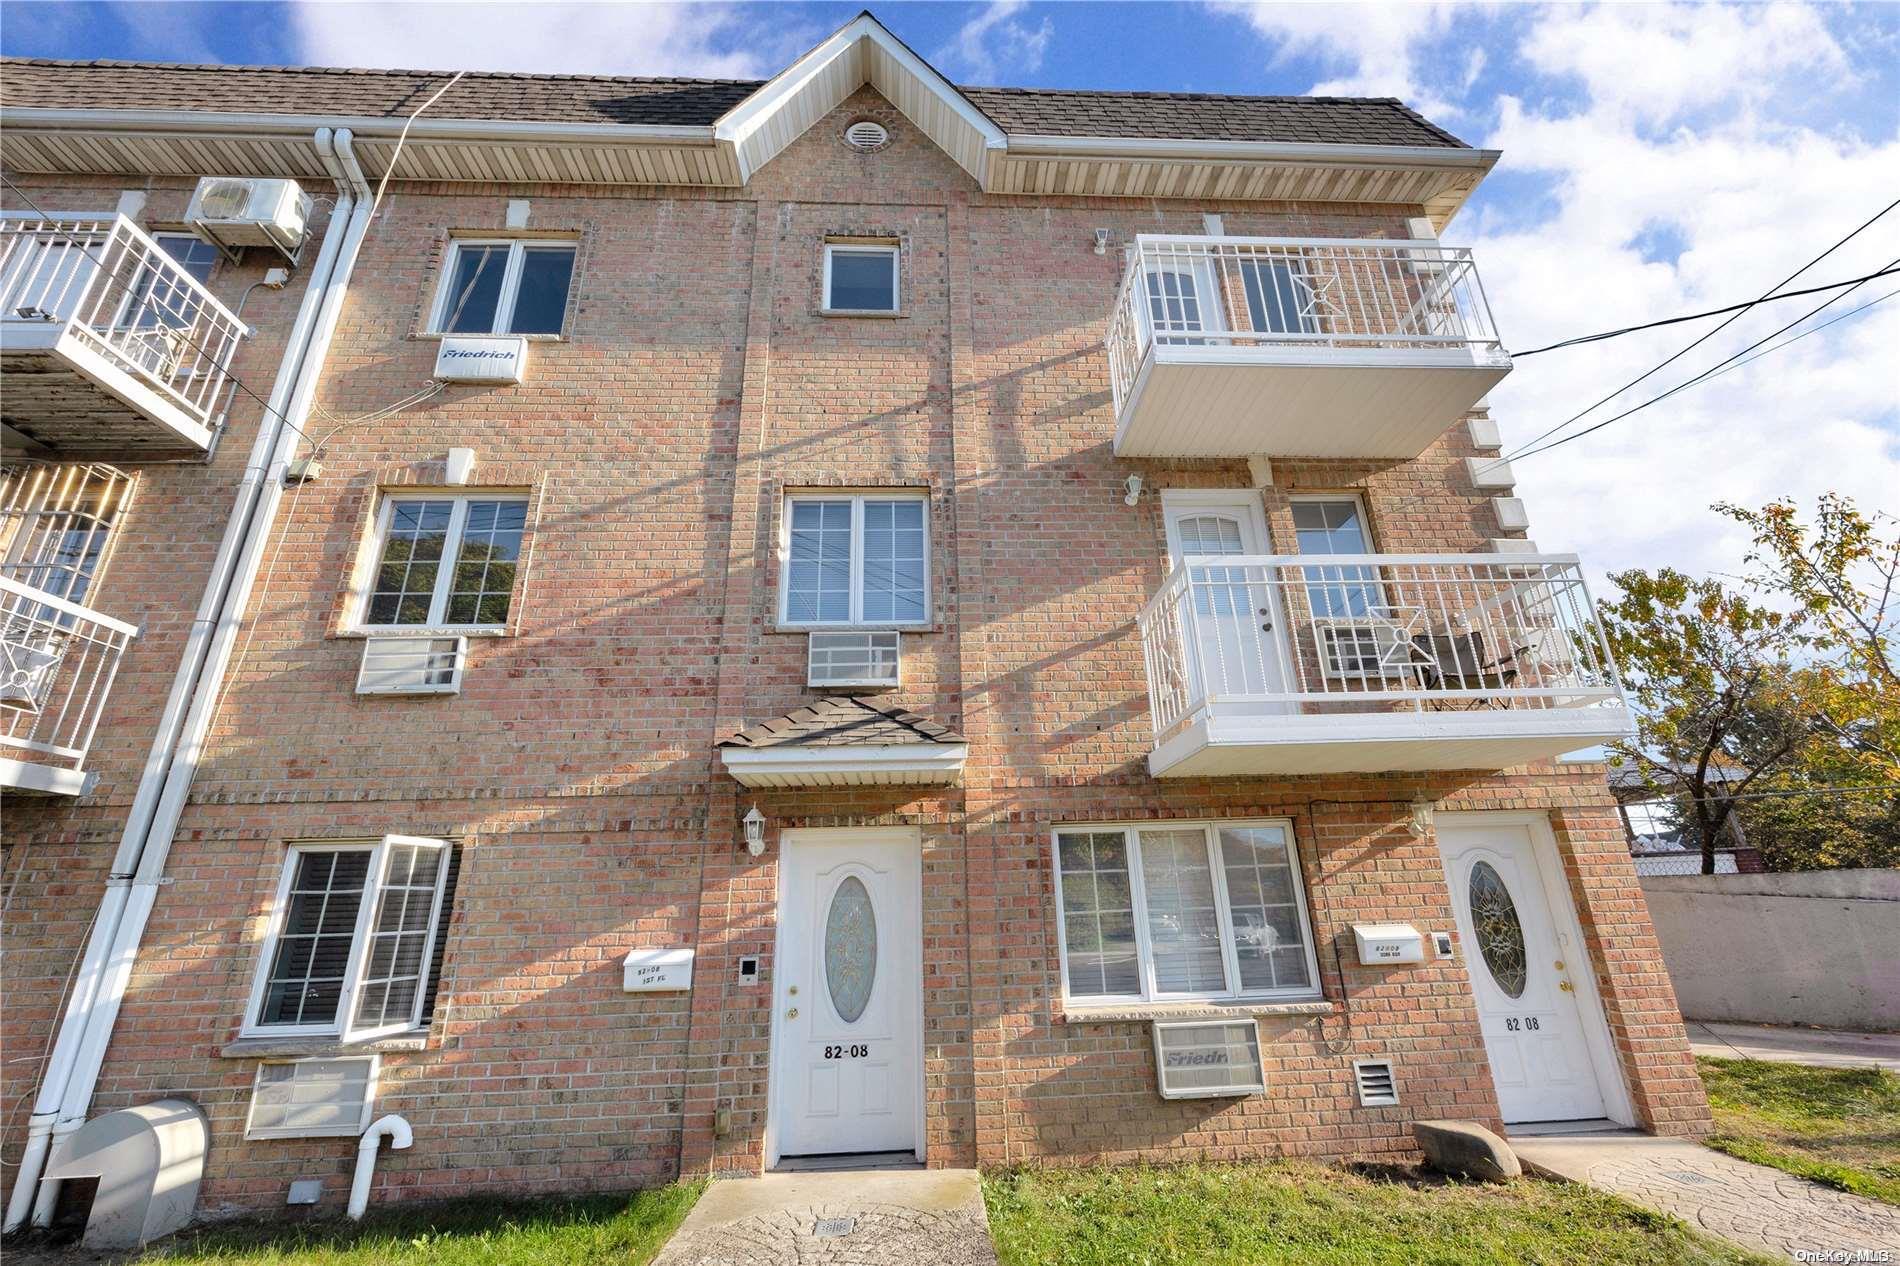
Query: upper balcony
[[1375, 662], [57, 663], [108, 348], [1296, 347]]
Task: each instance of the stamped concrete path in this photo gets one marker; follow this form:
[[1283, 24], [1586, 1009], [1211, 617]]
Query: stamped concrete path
[[1751, 1205], [852, 1218]]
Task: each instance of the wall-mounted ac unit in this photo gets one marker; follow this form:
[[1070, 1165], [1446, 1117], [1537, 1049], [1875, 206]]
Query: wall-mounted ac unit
[[853, 660], [412, 665], [312, 1098], [232, 211], [1373, 650], [1216, 1059]]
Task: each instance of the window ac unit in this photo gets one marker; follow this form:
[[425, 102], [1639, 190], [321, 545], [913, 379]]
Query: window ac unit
[[29, 659], [156, 352], [412, 665], [238, 211], [1217, 1059], [312, 1098], [854, 660], [1374, 651]]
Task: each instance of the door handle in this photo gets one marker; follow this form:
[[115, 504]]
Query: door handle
[[1565, 986], [793, 1013]]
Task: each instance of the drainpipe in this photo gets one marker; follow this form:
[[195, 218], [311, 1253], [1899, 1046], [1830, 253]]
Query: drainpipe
[[99, 986], [397, 1131]]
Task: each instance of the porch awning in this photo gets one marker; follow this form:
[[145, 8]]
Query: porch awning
[[845, 742]]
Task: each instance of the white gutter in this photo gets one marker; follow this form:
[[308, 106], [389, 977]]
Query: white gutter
[[1040, 145], [99, 986], [365, 127], [397, 1131]]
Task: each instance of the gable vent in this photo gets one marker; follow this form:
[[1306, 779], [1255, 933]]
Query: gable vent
[[866, 135], [1377, 1089]]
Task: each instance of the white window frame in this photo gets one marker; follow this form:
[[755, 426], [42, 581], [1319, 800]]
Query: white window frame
[[1144, 957], [445, 573], [342, 1026], [1359, 503], [856, 500], [510, 284], [867, 248]]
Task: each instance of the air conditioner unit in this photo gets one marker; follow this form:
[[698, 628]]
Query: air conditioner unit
[[855, 660], [412, 665], [29, 658], [1217, 1059], [1374, 651], [312, 1098], [230, 211]]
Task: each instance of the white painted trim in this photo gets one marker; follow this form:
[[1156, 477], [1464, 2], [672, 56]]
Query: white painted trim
[[1611, 1081], [867, 248], [510, 284], [445, 570], [856, 497], [47, 779], [894, 762], [1053, 145], [362, 127]]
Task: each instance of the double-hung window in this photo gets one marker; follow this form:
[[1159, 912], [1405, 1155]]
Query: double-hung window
[[351, 946], [1336, 525], [856, 559], [445, 561], [860, 278], [1183, 911], [515, 286]]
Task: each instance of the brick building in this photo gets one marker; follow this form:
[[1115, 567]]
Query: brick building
[[820, 577]]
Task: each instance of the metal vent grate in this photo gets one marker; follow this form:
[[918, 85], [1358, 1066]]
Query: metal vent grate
[[312, 1098], [853, 659], [1377, 1089], [412, 665], [1209, 1060], [866, 135]]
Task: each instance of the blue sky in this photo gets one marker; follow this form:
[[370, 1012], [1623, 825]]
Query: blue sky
[[1658, 158]]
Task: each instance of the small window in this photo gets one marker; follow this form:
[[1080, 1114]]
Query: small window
[[860, 278], [856, 559], [504, 287], [1183, 910], [354, 938], [445, 562], [1336, 525]]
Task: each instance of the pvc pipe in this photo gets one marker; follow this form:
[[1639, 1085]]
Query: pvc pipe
[[72, 1070], [391, 1127]]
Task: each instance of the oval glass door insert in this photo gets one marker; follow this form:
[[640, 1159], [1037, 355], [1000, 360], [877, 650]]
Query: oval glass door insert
[[1500, 934], [850, 949]]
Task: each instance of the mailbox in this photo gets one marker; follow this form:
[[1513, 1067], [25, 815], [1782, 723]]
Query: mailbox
[[1381, 943], [658, 971]]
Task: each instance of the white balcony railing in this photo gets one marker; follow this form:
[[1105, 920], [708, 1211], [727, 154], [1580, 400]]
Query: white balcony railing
[[1281, 638], [1295, 293], [110, 287], [57, 663]]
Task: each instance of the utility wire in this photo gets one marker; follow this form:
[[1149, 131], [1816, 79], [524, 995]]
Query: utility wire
[[1816, 330], [1697, 316], [1688, 383], [1890, 789], [1733, 317]]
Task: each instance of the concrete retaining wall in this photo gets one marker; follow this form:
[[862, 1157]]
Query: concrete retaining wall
[[1817, 948]]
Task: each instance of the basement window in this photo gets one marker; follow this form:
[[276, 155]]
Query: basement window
[[860, 277], [354, 942]]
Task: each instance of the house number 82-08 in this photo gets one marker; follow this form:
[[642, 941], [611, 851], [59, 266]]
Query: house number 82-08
[[1514, 1024], [841, 1052]]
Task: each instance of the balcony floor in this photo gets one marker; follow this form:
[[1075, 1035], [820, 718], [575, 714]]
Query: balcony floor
[[1238, 401], [61, 398], [1239, 743]]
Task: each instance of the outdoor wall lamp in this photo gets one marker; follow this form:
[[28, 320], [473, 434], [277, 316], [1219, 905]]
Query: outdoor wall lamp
[[1420, 823], [1133, 485], [1101, 241], [754, 823]]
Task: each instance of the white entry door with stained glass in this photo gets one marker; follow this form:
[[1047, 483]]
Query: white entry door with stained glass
[[1525, 971], [847, 1046]]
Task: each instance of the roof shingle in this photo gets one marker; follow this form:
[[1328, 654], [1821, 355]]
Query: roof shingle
[[843, 722]]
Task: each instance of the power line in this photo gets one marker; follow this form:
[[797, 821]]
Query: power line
[[1816, 330], [1733, 317], [1706, 374], [1891, 789], [1697, 316]]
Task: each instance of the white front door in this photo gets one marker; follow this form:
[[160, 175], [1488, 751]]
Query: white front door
[[848, 1044], [1525, 972], [1230, 619]]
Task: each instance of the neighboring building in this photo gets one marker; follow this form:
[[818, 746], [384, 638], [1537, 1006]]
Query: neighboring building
[[1661, 845], [835, 597]]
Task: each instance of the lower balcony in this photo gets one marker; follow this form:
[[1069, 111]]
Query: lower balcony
[[1371, 663], [57, 663], [108, 347]]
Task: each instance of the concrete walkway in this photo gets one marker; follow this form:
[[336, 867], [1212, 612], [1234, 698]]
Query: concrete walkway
[[1750, 1205], [1825, 1048], [851, 1218]]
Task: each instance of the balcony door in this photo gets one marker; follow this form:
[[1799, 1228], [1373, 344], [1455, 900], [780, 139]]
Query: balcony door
[[1182, 298], [1230, 616]]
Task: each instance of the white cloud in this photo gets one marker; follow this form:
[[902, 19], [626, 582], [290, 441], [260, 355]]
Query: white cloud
[[1678, 118], [993, 41], [710, 40]]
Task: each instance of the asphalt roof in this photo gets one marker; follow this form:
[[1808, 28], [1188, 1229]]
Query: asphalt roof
[[848, 721], [305, 90]]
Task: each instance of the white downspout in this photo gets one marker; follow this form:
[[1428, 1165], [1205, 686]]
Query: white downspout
[[397, 1131], [99, 987]]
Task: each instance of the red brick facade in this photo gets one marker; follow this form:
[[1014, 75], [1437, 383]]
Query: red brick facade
[[697, 381]]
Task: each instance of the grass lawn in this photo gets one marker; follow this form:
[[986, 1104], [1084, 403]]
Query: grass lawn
[[626, 1230], [1314, 1215], [1838, 1126]]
